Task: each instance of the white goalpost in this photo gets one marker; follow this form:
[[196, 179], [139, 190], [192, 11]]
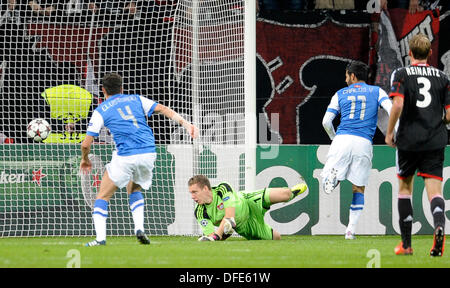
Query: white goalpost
[[196, 56]]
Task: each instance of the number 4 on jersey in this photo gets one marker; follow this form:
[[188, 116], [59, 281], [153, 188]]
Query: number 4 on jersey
[[128, 116]]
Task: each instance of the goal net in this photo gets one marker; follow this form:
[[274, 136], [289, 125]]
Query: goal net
[[186, 54]]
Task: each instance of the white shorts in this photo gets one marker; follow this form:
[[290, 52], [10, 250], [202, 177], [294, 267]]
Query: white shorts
[[137, 168], [351, 156]]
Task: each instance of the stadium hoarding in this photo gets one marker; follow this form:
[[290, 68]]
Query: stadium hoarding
[[43, 194]]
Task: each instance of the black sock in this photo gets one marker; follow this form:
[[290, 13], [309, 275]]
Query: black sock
[[405, 212], [437, 206]]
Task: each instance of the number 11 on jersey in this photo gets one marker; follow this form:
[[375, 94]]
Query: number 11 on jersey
[[353, 99]]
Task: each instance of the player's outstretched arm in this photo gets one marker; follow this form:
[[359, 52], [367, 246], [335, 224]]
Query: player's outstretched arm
[[169, 113], [85, 164]]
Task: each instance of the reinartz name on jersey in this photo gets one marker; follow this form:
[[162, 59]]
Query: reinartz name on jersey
[[113, 102], [422, 71]]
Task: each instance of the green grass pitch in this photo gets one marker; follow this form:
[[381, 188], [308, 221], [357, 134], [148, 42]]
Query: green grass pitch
[[187, 252]]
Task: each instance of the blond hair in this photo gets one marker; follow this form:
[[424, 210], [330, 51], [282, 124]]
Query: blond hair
[[420, 46], [200, 180]]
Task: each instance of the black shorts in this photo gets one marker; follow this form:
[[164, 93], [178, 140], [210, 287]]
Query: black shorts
[[429, 164]]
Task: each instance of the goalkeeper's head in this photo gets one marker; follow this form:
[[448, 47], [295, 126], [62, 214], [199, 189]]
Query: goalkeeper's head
[[112, 84], [200, 189]]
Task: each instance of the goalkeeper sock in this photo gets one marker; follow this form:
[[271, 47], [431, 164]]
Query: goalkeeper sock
[[405, 220], [137, 210], [356, 209], [437, 206], [100, 215]]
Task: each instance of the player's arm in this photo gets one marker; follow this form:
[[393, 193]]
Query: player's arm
[[171, 114], [447, 104], [95, 125], [397, 106], [230, 200], [447, 115], [386, 104], [332, 111], [206, 225], [384, 101], [228, 224], [85, 164], [394, 115]]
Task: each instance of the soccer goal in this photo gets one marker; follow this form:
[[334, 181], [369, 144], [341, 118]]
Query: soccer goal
[[195, 56]]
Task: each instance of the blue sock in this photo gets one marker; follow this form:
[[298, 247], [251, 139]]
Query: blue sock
[[137, 210], [356, 209], [100, 215], [357, 201]]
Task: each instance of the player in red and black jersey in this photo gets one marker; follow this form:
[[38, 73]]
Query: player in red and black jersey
[[421, 96]]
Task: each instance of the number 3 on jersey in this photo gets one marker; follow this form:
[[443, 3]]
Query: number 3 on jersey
[[128, 116], [424, 91]]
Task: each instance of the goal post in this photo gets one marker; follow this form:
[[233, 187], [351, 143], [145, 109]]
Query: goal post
[[196, 56]]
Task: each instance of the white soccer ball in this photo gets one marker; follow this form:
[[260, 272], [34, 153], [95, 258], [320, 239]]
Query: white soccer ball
[[38, 129]]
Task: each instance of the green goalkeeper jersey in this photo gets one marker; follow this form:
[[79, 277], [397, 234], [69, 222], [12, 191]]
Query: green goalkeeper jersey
[[250, 208], [210, 215]]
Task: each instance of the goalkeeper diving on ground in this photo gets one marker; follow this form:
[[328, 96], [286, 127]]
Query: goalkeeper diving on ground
[[241, 212], [132, 163]]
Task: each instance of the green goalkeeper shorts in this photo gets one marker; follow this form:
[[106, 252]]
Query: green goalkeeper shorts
[[255, 228]]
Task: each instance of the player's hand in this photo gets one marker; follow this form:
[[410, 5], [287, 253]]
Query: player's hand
[[229, 225], [206, 238], [193, 131], [389, 139], [85, 166]]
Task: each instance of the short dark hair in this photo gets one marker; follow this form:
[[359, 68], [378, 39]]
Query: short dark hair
[[200, 180], [112, 82], [360, 69]]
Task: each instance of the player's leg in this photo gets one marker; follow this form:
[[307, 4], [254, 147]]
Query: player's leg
[[406, 163], [405, 212], [356, 208], [358, 174], [141, 180], [337, 163], [278, 195], [117, 175], [437, 206], [100, 213], [137, 204], [431, 168]]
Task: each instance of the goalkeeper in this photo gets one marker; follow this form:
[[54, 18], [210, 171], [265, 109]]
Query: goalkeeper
[[232, 211]]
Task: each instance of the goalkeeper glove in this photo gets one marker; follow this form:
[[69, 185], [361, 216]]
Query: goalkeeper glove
[[228, 227], [214, 237]]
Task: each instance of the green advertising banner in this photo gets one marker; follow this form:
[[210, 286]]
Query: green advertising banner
[[318, 213], [43, 194]]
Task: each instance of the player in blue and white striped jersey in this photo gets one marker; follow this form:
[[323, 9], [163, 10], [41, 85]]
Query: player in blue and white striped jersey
[[132, 161], [350, 154]]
